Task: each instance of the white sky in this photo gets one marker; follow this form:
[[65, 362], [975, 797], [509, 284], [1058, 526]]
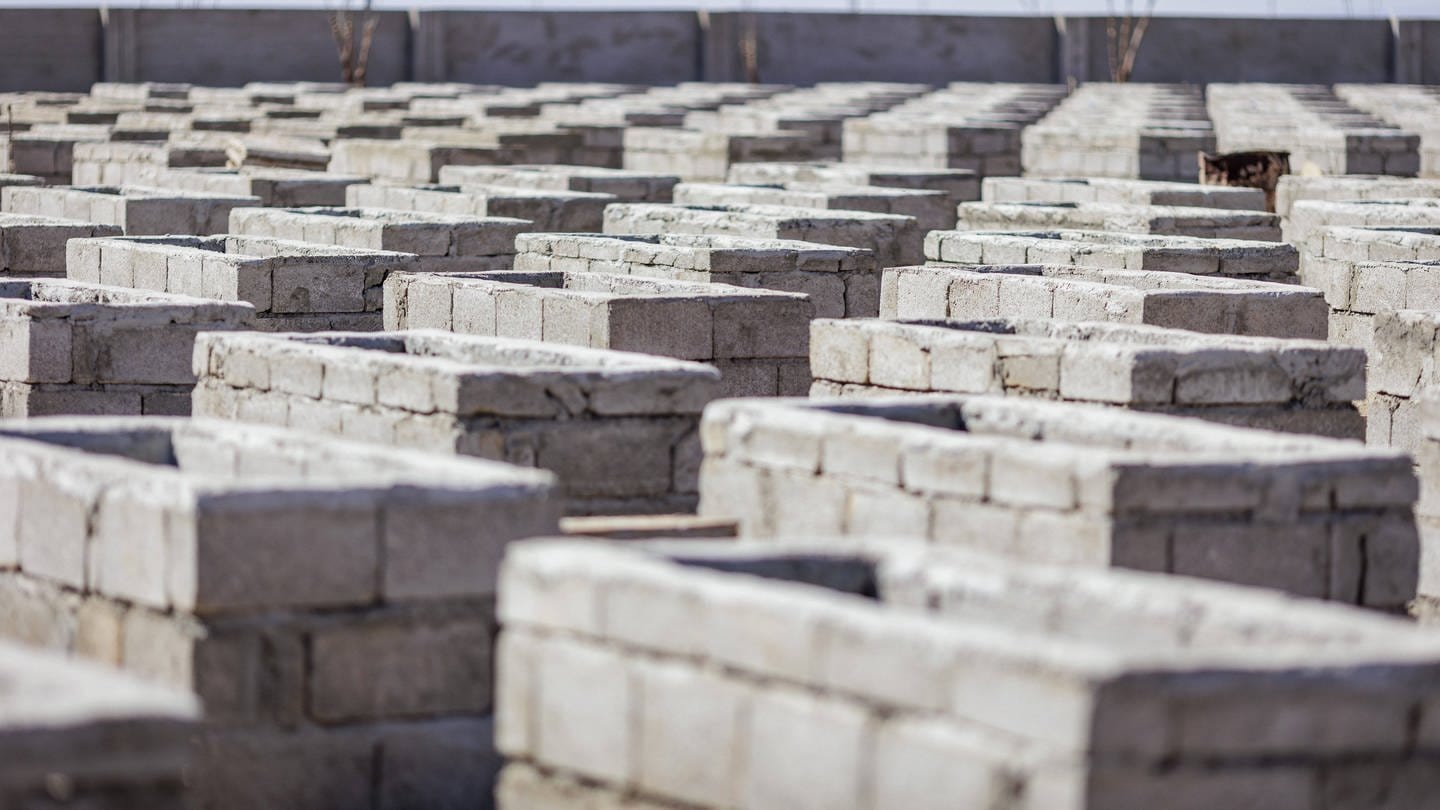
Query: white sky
[[1208, 8]]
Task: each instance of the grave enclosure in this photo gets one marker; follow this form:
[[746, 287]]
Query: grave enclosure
[[591, 444]]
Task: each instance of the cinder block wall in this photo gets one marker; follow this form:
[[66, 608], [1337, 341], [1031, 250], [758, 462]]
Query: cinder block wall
[[69, 49]]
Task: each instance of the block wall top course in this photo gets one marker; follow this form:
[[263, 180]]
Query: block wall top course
[[45, 299], [1174, 360], [1231, 258], [602, 287], [894, 239], [627, 186], [1308, 216], [423, 234], [1128, 656], [1211, 304], [714, 252], [961, 184], [277, 276], [1113, 190], [1210, 223], [196, 485], [1083, 436], [475, 375], [1292, 188]]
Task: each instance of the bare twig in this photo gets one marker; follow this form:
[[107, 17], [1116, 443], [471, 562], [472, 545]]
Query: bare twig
[[1123, 35], [354, 63], [750, 50]]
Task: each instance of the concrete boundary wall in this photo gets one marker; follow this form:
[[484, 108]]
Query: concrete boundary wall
[[68, 49]]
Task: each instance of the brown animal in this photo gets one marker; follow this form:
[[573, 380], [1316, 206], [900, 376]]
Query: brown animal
[[1260, 170]]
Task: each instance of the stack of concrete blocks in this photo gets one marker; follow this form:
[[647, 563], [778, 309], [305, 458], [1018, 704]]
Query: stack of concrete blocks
[[293, 286], [1120, 191], [822, 127], [1164, 220], [1211, 304], [136, 210], [1414, 108], [331, 605], [1402, 372], [140, 91], [46, 151], [840, 282], [619, 429], [624, 186], [73, 348], [278, 188], [419, 159], [958, 185], [1294, 386], [1368, 271], [34, 246], [758, 339], [1323, 134], [1073, 484], [707, 156], [1230, 258], [542, 141], [444, 244], [894, 240], [1294, 188], [966, 126], [818, 111], [609, 118], [1135, 131], [326, 127], [931, 210], [82, 735], [885, 674], [141, 163], [1308, 218], [597, 145], [545, 210]]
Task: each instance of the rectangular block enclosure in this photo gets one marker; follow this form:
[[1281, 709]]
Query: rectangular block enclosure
[[1070, 483], [1211, 304], [624, 185], [283, 188], [330, 604], [895, 240], [1080, 189], [932, 210], [545, 210], [103, 740], [959, 185], [841, 282], [1294, 386], [843, 674], [1231, 258], [619, 429], [1159, 220], [136, 210], [758, 339], [1365, 272], [34, 246], [293, 286], [73, 348], [445, 244]]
